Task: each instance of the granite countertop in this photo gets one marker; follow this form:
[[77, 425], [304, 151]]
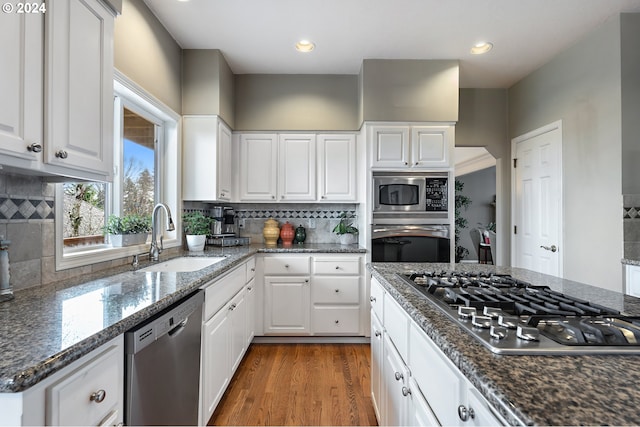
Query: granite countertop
[[626, 261], [46, 328], [531, 390]]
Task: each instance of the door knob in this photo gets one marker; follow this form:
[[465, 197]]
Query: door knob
[[552, 248]]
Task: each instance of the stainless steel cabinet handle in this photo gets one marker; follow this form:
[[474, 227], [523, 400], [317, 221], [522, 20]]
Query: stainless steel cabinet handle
[[465, 414], [61, 154], [399, 376], [98, 396], [35, 147], [405, 391], [552, 248]]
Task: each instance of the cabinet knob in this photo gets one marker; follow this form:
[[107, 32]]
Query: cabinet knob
[[337, 290], [61, 154], [324, 197], [253, 269], [372, 299], [399, 376], [337, 321], [249, 288], [98, 396], [232, 307], [337, 267], [406, 163], [405, 391], [222, 194], [273, 197], [465, 414], [417, 163], [306, 280], [377, 333], [286, 266], [34, 148]]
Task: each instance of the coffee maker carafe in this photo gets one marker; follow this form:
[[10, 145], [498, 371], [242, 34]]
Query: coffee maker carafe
[[229, 226], [217, 224]]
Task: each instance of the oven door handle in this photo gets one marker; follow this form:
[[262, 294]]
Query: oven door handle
[[381, 232]]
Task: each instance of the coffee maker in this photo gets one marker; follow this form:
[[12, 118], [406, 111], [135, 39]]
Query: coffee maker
[[229, 225], [217, 225]]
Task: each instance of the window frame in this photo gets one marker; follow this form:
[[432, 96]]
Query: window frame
[[168, 170]]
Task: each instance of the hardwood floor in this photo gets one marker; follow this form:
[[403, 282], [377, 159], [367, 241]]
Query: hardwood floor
[[300, 384]]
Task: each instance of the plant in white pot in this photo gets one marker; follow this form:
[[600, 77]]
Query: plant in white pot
[[196, 228], [345, 230], [128, 230]]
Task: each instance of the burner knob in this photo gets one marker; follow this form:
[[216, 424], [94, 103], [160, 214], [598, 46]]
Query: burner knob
[[466, 312], [498, 332], [528, 333], [483, 322], [509, 322]]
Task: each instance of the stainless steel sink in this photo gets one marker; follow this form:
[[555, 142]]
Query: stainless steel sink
[[183, 264]]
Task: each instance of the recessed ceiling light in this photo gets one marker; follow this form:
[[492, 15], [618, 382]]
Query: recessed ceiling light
[[305, 46], [482, 47]]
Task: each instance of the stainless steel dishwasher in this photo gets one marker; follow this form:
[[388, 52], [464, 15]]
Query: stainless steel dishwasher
[[163, 366]]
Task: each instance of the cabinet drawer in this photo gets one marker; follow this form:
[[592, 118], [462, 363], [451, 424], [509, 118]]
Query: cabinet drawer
[[377, 294], [335, 290], [336, 266], [70, 399], [221, 291], [336, 320], [277, 266], [251, 269]]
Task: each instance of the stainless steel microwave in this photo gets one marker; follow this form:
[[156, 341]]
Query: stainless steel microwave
[[410, 197]]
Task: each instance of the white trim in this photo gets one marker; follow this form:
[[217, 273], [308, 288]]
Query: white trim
[[475, 164], [130, 92], [557, 125]]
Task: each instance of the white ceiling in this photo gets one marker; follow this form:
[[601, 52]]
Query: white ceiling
[[258, 36]]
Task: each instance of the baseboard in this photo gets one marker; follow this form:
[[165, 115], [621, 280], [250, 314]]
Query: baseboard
[[311, 340]]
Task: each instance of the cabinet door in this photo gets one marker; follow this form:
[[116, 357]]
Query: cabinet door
[[287, 305], [431, 146], [633, 280], [377, 298], [420, 413], [91, 395], [337, 167], [376, 364], [390, 146], [79, 87], [223, 165], [250, 298], [238, 319], [258, 167], [394, 381], [216, 370], [21, 86], [297, 167]]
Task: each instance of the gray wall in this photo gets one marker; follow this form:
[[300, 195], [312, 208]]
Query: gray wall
[[582, 87], [146, 53], [296, 102], [484, 117], [208, 85], [630, 41], [410, 90], [480, 187]]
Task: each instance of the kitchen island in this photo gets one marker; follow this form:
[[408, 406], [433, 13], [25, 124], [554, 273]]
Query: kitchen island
[[530, 390], [46, 328]]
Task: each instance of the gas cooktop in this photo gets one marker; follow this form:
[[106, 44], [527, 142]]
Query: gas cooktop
[[509, 316]]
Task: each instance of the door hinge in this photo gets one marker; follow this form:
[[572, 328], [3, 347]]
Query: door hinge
[[515, 229], [515, 163]]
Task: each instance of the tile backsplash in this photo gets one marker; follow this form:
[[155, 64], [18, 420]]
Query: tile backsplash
[[631, 225]]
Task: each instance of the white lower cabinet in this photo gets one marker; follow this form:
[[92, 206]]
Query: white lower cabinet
[[418, 385], [90, 391], [287, 305], [632, 280], [225, 334]]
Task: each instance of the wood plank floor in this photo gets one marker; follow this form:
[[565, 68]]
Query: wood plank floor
[[300, 384]]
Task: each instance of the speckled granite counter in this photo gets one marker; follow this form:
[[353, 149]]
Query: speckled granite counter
[[626, 261], [46, 328], [532, 390]]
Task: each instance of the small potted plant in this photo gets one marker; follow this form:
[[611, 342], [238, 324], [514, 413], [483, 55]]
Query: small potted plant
[[196, 228], [127, 230], [346, 230]]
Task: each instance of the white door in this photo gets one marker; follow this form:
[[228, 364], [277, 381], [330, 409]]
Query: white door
[[537, 199]]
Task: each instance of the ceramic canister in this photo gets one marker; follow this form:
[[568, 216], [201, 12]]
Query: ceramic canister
[[301, 234], [287, 233], [271, 232]]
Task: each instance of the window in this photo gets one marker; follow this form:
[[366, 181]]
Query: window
[[145, 173]]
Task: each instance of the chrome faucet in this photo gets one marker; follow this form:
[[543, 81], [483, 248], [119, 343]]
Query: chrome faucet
[[156, 249]]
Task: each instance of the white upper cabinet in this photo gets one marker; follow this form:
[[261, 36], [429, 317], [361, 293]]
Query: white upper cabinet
[[258, 167], [79, 89], [336, 167], [21, 86], [297, 167], [399, 146], [206, 159]]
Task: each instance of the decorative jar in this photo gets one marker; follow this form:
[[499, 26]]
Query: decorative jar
[[287, 233], [301, 235], [271, 232]]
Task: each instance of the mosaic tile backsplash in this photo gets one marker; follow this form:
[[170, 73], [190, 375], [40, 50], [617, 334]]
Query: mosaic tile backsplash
[[631, 226]]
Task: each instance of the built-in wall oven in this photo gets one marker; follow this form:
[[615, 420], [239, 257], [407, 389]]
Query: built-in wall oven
[[411, 218]]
